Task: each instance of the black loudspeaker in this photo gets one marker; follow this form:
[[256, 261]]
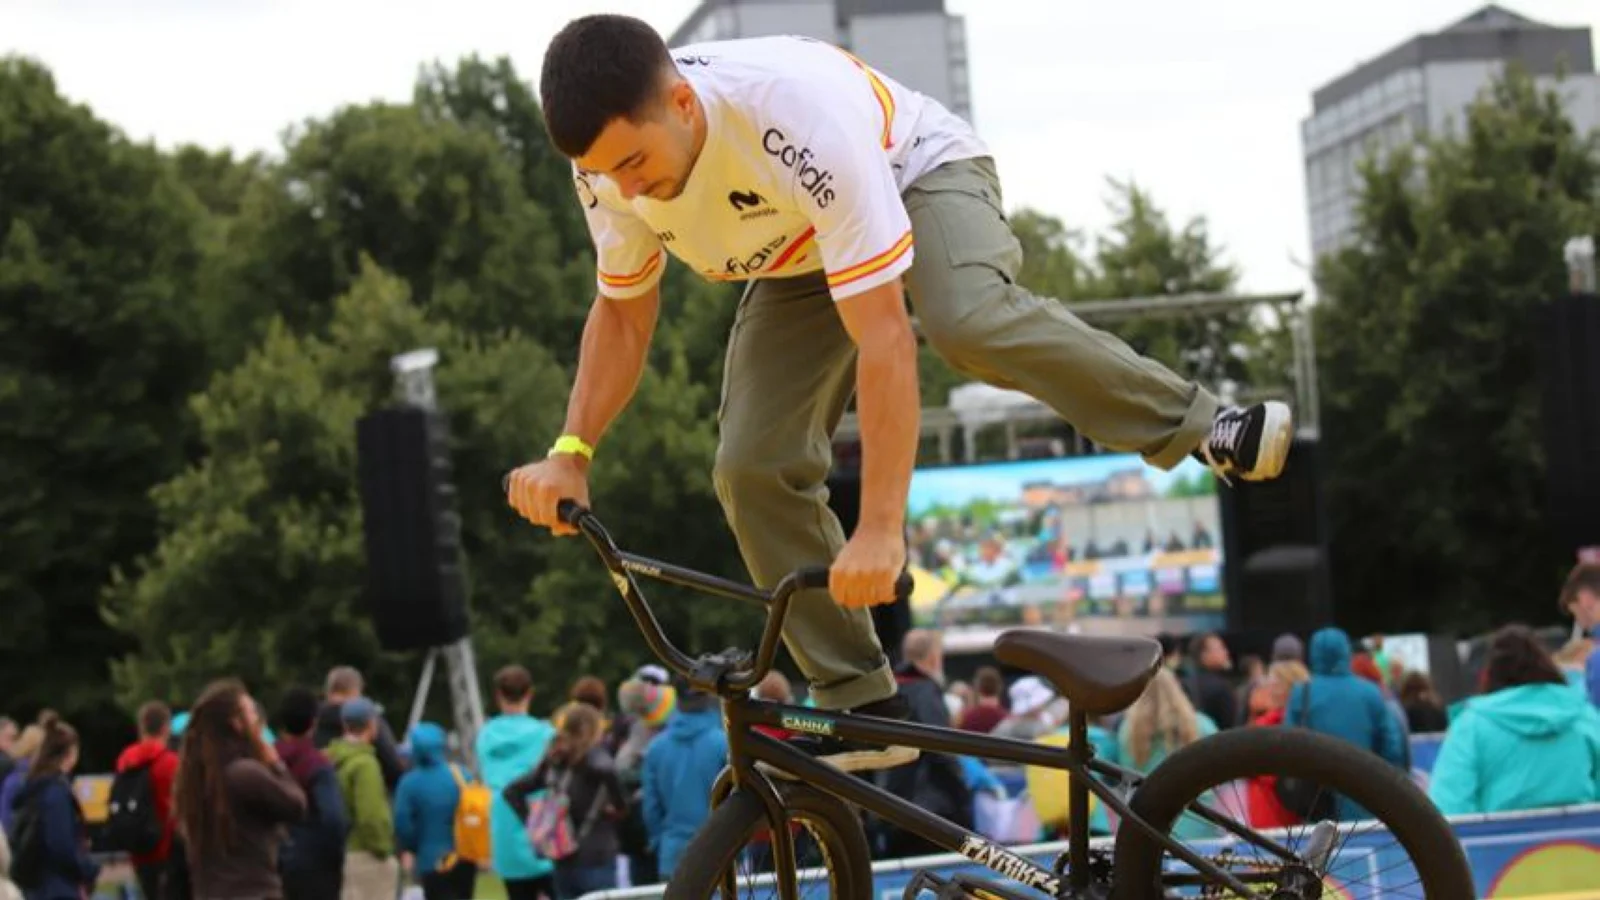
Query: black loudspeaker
[[416, 586], [892, 620], [1275, 548], [1570, 370]]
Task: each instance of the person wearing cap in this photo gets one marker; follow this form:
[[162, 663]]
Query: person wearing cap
[[371, 871], [1030, 699], [645, 703], [1288, 648]]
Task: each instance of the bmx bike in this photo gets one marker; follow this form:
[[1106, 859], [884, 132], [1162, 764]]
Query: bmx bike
[[770, 787]]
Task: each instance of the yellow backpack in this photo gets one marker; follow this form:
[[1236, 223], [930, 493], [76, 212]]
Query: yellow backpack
[[1048, 787], [472, 819]]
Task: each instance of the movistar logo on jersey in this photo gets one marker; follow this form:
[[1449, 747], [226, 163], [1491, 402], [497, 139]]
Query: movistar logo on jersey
[[814, 179], [806, 724]]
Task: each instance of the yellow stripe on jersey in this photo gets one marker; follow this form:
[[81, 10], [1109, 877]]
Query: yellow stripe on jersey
[[885, 98], [622, 281], [874, 265]]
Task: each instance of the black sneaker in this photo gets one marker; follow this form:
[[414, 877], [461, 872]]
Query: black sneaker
[[1250, 443], [850, 756]]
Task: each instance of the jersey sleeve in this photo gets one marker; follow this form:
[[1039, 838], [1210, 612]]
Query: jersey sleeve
[[629, 258], [841, 178]]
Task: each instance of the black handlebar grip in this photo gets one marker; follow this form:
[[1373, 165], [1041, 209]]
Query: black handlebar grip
[[569, 512]]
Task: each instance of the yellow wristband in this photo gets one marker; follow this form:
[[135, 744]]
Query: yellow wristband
[[571, 443]]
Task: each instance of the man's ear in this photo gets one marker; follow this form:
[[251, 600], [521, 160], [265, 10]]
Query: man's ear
[[680, 99]]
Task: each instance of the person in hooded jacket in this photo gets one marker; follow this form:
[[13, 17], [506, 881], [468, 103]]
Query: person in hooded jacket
[[680, 767], [58, 866], [425, 818], [1344, 705], [1530, 741], [311, 859], [155, 728], [510, 745]]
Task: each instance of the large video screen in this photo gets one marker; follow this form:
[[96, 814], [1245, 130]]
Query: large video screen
[[1092, 544]]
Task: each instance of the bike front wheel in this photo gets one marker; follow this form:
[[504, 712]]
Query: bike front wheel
[[1377, 834], [731, 855]]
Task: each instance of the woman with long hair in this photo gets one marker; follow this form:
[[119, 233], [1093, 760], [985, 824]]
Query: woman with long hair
[[1158, 724], [232, 798], [578, 766], [1529, 741], [49, 839]]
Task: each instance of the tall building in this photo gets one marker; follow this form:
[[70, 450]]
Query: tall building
[[914, 42], [1425, 85]]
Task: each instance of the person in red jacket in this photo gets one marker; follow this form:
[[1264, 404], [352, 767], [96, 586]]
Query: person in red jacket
[[155, 729]]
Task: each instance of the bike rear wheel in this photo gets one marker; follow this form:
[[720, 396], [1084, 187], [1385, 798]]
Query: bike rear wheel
[[1436, 867], [723, 858]]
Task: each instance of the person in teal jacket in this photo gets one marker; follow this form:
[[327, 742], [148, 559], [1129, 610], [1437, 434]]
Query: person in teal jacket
[[1160, 723], [1344, 705], [510, 746], [1531, 740], [425, 818]]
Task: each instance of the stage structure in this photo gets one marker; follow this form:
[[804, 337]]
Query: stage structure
[[976, 406]]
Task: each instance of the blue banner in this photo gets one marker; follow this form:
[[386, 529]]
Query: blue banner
[[1545, 855]]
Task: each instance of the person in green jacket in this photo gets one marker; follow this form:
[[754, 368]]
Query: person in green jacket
[[1160, 723], [371, 871], [1531, 740]]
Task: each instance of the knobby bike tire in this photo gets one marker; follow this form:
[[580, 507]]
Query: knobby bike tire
[[835, 826], [1383, 789]]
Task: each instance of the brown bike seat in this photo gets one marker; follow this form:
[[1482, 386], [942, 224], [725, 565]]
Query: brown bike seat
[[1098, 675]]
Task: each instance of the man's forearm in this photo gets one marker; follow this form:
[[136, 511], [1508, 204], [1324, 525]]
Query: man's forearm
[[611, 360], [889, 410]]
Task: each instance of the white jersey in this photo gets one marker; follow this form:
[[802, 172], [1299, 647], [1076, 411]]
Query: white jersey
[[807, 152]]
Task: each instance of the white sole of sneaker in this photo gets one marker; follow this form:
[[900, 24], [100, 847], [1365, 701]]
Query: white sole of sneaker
[[1277, 433], [858, 760]]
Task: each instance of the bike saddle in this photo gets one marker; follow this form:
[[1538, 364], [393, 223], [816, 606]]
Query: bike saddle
[[1098, 675]]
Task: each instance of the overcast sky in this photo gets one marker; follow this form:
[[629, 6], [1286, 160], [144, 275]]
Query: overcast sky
[[1199, 102]]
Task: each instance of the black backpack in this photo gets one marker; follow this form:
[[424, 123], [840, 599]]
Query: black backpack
[[132, 825], [27, 843]]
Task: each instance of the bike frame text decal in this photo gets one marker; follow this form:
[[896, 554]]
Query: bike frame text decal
[[1010, 865], [807, 724]]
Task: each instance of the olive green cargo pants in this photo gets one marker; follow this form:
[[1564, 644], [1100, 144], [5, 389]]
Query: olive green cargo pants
[[790, 374]]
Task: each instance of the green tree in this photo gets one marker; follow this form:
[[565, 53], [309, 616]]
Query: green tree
[[438, 203], [259, 571], [99, 346], [1052, 256], [1143, 255], [1430, 401]]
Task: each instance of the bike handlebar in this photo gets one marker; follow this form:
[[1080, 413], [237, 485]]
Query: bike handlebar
[[732, 670]]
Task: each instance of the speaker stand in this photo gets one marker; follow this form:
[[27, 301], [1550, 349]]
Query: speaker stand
[[466, 702]]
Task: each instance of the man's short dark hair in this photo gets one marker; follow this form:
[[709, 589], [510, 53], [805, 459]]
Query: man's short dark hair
[[154, 717], [1583, 577], [513, 683], [297, 711], [596, 69]]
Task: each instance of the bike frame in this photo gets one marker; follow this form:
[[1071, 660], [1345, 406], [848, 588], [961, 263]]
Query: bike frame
[[732, 674]]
